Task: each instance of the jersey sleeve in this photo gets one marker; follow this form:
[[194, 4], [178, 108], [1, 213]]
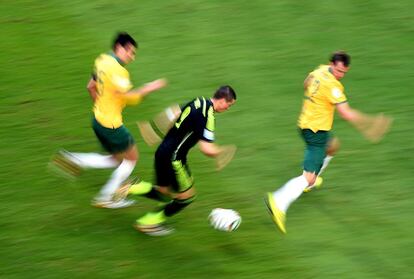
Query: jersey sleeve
[[118, 77], [121, 82], [336, 95], [208, 129]]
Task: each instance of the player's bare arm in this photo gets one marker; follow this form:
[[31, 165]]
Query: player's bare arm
[[372, 128], [307, 81], [223, 154], [349, 114], [148, 88], [209, 149], [91, 86]]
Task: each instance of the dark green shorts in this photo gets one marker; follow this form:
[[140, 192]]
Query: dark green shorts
[[315, 150], [115, 140]]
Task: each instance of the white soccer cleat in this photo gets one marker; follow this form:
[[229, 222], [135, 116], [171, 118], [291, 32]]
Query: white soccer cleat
[[111, 204]]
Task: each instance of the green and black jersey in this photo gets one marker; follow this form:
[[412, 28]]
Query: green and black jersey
[[195, 123]]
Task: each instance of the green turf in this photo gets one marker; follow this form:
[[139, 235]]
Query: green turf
[[358, 226]]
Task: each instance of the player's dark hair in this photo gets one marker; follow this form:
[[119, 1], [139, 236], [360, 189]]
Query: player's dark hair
[[123, 39], [341, 56], [225, 92]]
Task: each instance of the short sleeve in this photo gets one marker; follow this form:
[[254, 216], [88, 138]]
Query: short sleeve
[[336, 96], [208, 131], [122, 83]]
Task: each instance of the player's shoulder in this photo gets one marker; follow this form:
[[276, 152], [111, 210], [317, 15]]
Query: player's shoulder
[[199, 107], [321, 72], [200, 103], [324, 75], [104, 58], [109, 61]]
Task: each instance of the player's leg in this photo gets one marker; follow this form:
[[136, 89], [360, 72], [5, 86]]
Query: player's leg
[[164, 176], [71, 163], [331, 149], [88, 160], [184, 195], [121, 144], [183, 186], [279, 201]]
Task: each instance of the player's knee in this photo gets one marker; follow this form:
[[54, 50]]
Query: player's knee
[[188, 194], [131, 153], [333, 146]]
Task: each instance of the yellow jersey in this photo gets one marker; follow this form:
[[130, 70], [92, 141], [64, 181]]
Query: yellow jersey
[[322, 92], [112, 85]]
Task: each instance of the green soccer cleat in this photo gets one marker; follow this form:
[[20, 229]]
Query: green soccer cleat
[[278, 217], [316, 185], [132, 187], [153, 224]]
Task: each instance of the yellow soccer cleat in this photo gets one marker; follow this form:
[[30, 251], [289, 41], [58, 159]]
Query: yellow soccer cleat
[[316, 185], [277, 215]]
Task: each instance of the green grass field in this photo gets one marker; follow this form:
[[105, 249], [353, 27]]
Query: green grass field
[[357, 226]]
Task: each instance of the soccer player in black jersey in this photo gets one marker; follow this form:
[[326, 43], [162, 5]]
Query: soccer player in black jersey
[[174, 183]]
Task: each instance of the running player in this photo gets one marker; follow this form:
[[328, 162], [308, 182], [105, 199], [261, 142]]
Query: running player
[[174, 182], [111, 90], [323, 94]]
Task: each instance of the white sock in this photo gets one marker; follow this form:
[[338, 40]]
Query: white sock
[[118, 176], [326, 161], [93, 160], [289, 192]]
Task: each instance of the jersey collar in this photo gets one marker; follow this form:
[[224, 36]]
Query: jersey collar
[[117, 58]]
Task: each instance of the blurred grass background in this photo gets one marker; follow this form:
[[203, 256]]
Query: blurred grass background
[[358, 226]]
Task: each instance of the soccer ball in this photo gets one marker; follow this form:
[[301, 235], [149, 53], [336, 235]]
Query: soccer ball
[[227, 220]]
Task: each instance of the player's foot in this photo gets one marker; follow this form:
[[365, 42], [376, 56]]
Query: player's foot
[[154, 230], [316, 185], [277, 215], [64, 164], [111, 204], [123, 191], [134, 187], [153, 224]]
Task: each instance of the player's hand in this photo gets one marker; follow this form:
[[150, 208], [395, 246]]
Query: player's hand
[[225, 156], [373, 128], [378, 126], [156, 84]]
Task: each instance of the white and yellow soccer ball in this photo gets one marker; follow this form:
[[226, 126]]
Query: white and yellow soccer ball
[[227, 220]]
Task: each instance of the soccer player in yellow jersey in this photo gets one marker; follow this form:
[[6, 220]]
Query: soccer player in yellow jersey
[[323, 94], [111, 90]]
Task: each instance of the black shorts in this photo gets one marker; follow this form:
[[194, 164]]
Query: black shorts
[[174, 173]]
